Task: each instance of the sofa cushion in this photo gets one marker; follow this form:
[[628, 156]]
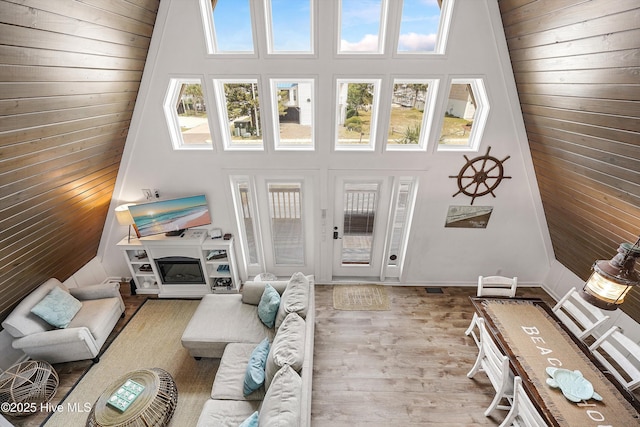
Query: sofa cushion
[[287, 347], [21, 322], [282, 405], [229, 381], [295, 298], [252, 421], [57, 308], [226, 413], [268, 306], [254, 376]]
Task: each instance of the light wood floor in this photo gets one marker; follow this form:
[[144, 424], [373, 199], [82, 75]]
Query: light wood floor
[[405, 366]]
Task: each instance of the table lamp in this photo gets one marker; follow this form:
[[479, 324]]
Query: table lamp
[[123, 216], [612, 280]]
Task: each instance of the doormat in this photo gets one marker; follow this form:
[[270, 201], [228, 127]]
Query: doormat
[[360, 298]]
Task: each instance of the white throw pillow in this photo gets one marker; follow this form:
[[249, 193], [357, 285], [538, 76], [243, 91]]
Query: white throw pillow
[[281, 406], [287, 347], [295, 298]]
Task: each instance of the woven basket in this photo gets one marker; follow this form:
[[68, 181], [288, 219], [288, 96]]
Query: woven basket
[[26, 386]]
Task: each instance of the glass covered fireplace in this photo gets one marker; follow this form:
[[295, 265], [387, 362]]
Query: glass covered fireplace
[[177, 270]]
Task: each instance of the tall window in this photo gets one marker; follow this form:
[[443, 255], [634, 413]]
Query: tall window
[[412, 102], [424, 26], [239, 106], [289, 26], [185, 110], [465, 115], [228, 26], [362, 26], [356, 110], [245, 204], [293, 100]]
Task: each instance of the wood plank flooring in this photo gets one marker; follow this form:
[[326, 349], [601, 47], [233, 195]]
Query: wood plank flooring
[[405, 366]]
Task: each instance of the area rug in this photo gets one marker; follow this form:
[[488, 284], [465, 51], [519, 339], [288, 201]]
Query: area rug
[[151, 339], [360, 298]]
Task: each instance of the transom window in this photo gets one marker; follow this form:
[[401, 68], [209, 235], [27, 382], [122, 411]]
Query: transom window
[[289, 26], [356, 111], [293, 100], [228, 26]]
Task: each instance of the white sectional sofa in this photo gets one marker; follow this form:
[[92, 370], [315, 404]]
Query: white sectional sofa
[[228, 327]]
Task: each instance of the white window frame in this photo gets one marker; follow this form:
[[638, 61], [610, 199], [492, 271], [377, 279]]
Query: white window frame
[[221, 104], [479, 120], [276, 119], [171, 115], [375, 107], [250, 268], [427, 115]]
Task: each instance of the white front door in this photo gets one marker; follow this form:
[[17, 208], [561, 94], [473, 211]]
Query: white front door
[[361, 211]]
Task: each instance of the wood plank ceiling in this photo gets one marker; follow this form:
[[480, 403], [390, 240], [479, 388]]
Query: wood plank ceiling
[[577, 70], [69, 77]]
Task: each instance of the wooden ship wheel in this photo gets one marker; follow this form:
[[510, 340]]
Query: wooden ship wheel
[[480, 176]]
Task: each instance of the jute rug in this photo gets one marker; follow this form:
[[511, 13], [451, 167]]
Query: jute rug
[[360, 298], [150, 339]]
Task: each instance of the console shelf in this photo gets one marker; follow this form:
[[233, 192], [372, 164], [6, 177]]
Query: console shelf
[[216, 258]]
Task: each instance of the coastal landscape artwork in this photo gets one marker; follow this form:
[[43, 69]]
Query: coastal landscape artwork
[[468, 216], [170, 215]]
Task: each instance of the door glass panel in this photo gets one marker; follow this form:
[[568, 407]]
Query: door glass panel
[[285, 214], [360, 205]]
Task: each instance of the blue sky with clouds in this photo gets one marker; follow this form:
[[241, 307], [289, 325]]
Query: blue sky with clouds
[[359, 29]]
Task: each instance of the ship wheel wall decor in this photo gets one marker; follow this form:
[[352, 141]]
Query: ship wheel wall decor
[[480, 176]]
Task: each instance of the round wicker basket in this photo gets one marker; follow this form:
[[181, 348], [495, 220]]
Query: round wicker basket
[[153, 407], [27, 385]]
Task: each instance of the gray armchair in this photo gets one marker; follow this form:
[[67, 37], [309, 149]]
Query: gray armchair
[[81, 339]]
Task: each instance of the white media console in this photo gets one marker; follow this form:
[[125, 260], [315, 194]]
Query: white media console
[[187, 266]]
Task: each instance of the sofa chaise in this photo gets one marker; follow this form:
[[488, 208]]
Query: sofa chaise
[[230, 327]]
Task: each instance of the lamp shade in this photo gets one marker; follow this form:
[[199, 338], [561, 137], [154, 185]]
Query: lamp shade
[[123, 216], [612, 280]]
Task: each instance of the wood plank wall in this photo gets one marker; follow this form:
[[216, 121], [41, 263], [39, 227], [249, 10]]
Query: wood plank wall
[[69, 77], [577, 70]]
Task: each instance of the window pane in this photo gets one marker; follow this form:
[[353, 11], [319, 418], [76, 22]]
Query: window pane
[[465, 115], [285, 213], [290, 26], [232, 26], [356, 114], [294, 123], [419, 26], [245, 211], [408, 104], [242, 106], [399, 224], [192, 115], [185, 111], [361, 26]]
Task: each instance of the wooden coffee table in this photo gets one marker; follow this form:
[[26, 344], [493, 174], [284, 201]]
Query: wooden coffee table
[[153, 407]]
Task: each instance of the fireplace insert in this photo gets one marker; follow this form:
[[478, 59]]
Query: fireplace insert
[[178, 270]]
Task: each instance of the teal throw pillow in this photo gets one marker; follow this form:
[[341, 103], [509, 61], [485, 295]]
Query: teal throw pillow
[[252, 421], [57, 308], [268, 305], [254, 376]]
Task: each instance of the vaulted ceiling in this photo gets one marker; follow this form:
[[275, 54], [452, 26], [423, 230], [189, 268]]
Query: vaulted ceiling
[[70, 73]]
